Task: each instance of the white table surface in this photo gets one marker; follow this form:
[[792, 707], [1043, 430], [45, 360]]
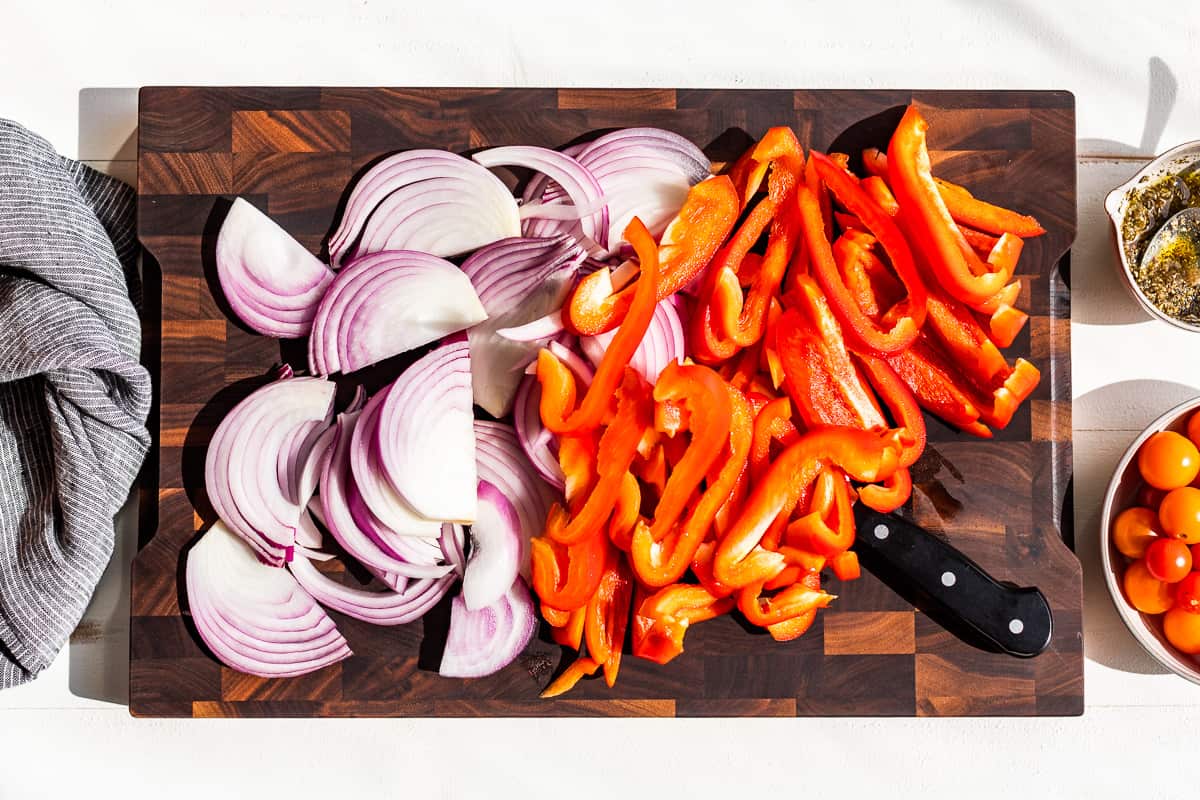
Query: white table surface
[[66, 70]]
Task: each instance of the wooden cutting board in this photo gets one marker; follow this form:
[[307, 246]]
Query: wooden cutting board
[[293, 151]]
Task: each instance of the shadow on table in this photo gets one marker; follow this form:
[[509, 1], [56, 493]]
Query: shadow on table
[[99, 647], [1106, 640]]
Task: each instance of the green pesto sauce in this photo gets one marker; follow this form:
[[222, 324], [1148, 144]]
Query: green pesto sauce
[[1170, 280]]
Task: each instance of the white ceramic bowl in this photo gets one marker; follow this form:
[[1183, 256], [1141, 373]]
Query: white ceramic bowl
[[1168, 163], [1126, 480]]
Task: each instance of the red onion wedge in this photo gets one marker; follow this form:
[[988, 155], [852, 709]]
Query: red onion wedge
[[502, 463], [241, 470], [425, 437], [486, 640], [571, 178], [663, 342], [538, 330], [372, 551], [388, 303], [495, 549], [538, 443], [255, 618], [271, 281], [428, 200], [643, 172], [452, 545], [389, 509], [388, 607], [518, 281]]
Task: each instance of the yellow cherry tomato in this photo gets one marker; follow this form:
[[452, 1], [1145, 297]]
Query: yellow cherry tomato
[[1134, 530], [1179, 514], [1168, 460], [1145, 592], [1182, 628]]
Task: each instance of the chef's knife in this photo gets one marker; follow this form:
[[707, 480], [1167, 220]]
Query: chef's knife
[[950, 587]]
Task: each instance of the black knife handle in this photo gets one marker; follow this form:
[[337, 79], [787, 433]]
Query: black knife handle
[[1016, 621]]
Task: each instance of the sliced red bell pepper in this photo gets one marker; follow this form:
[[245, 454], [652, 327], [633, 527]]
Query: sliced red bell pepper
[[795, 627], [772, 423], [570, 633], [579, 669], [965, 341], [778, 148], [936, 384], [910, 316], [890, 495], [627, 511], [566, 577], [903, 406], [703, 570], [826, 532], [822, 379], [577, 459], [791, 602], [607, 616], [615, 453], [663, 560], [1002, 320], [688, 245], [820, 193], [662, 619], [963, 206], [557, 407], [845, 566], [981, 243], [877, 189], [863, 455], [928, 221]]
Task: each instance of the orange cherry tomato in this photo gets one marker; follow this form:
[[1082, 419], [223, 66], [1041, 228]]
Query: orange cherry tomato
[[1145, 592], [1169, 560], [1150, 497], [1134, 530], [1168, 460], [1183, 630], [1193, 428], [1179, 514], [1187, 593]]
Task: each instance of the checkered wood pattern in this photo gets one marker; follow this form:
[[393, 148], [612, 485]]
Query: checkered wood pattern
[[292, 152]]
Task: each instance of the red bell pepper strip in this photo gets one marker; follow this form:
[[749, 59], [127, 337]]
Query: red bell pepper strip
[[1005, 324], [963, 206], [558, 384], [828, 532], [793, 601], [579, 669], [820, 376], [661, 561], [877, 189], [845, 566], [820, 193], [965, 341], [981, 243], [702, 568], [706, 399], [906, 413], [626, 512], [848, 222], [662, 619], [570, 632], [577, 459], [615, 454], [998, 409], [795, 627], [936, 385], [608, 614], [778, 149], [865, 456], [773, 422], [928, 221], [859, 327], [583, 565], [1005, 321], [890, 495], [689, 243]]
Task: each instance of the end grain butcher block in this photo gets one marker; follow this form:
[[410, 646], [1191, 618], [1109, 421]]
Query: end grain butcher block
[[292, 152]]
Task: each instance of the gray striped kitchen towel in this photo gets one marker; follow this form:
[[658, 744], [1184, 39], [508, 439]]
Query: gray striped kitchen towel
[[73, 396]]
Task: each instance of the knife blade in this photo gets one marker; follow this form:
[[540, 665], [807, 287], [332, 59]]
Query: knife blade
[[950, 587]]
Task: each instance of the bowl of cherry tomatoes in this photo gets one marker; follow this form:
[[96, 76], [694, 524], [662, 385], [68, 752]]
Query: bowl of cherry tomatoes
[[1151, 524]]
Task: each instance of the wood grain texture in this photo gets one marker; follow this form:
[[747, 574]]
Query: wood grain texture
[[292, 151]]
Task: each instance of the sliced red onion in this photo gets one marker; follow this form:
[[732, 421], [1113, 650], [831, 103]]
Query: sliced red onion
[[452, 546], [502, 463], [663, 342], [340, 521], [388, 607], [538, 330], [573, 179], [388, 303], [241, 470], [313, 466], [643, 172], [255, 618], [429, 200], [271, 281], [518, 281], [486, 640], [425, 437], [495, 549], [370, 483], [538, 443], [574, 361], [416, 550]]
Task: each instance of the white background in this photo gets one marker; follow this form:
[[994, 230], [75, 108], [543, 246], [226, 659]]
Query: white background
[[67, 71]]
